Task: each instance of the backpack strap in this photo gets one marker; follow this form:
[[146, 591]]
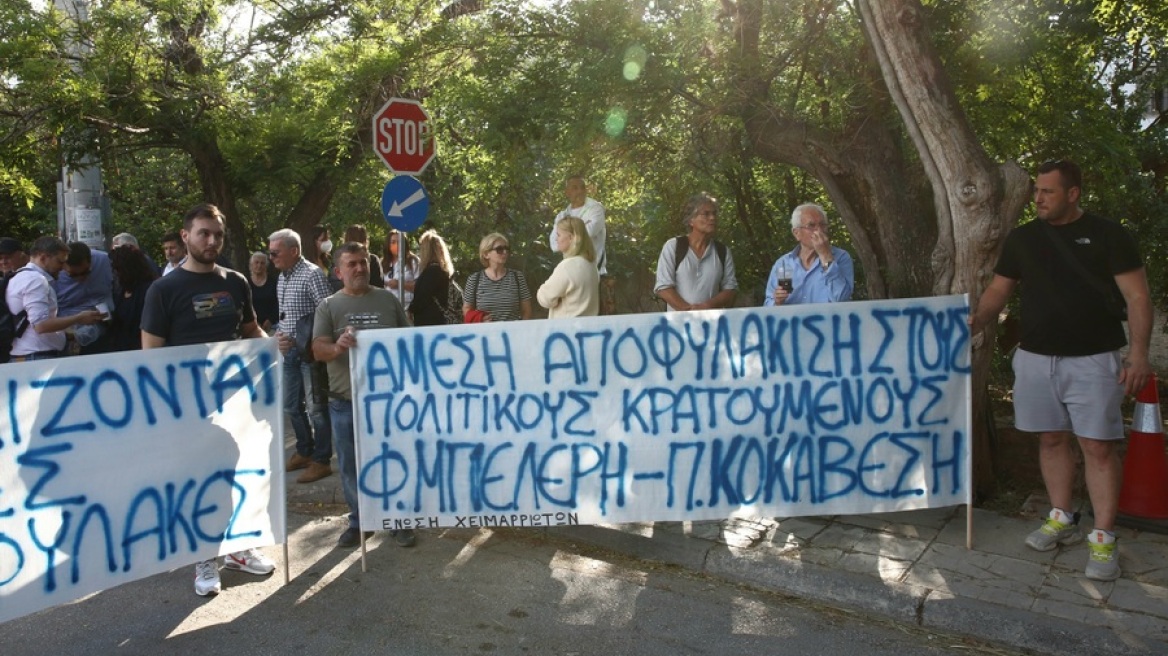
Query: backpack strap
[[679, 251], [682, 247]]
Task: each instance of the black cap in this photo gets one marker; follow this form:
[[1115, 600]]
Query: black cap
[[8, 246]]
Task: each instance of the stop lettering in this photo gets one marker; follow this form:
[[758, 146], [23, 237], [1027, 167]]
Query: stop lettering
[[402, 137]]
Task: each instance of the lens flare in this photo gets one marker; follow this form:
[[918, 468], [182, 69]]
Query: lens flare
[[614, 125]]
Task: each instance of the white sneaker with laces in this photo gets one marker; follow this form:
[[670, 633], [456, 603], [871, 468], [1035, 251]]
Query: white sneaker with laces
[[250, 561], [207, 578]]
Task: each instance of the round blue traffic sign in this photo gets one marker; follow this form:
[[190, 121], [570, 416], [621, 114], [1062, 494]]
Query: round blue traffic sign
[[405, 203]]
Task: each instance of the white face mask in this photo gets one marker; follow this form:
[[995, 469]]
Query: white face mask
[[326, 246]]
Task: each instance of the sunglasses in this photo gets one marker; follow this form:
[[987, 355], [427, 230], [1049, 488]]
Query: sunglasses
[[500, 249]]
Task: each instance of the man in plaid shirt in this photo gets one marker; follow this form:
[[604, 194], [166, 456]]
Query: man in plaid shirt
[[300, 287]]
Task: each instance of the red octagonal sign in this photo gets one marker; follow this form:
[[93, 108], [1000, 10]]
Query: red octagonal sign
[[402, 136]]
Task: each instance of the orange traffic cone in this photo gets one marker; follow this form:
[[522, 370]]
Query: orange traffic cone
[[1145, 470]]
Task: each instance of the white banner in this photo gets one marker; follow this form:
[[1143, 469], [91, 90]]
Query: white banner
[[116, 467], [806, 410]]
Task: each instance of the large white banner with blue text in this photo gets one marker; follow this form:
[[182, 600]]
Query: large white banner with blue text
[[805, 410], [115, 467]]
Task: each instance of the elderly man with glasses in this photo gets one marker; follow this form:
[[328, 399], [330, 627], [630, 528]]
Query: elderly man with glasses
[[815, 271], [300, 287]]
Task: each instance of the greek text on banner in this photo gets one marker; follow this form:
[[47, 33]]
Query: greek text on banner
[[806, 410], [116, 467]]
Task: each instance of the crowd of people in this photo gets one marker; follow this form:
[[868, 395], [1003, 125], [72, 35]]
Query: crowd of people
[[74, 299]]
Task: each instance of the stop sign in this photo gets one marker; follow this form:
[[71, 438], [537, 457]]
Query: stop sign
[[402, 137]]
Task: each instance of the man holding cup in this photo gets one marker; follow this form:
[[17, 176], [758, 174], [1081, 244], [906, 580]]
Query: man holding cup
[[815, 271]]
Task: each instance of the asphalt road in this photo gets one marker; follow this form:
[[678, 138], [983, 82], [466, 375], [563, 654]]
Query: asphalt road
[[457, 592]]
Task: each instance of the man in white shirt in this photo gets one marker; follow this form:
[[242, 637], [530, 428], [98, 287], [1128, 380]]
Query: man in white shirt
[[30, 291], [591, 212]]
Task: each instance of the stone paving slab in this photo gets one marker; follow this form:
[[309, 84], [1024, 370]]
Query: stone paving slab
[[912, 567]]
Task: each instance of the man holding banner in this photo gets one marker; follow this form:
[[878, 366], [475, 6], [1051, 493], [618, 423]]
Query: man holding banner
[[202, 302], [1069, 375], [357, 306]]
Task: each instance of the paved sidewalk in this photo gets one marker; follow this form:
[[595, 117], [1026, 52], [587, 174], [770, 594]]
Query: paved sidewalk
[[912, 567]]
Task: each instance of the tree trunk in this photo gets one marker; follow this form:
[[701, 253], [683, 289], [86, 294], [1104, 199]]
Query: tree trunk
[[217, 190], [862, 168], [975, 201]]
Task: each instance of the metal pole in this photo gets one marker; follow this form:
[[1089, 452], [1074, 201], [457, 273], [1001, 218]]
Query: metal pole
[[82, 209]]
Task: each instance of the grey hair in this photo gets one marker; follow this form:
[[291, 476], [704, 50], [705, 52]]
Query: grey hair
[[795, 221], [258, 254], [695, 203], [286, 236], [124, 239]]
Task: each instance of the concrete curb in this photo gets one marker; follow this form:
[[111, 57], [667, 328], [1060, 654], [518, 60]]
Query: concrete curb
[[765, 568]]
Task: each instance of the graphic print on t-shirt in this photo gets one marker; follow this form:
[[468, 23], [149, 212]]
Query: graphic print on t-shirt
[[215, 304], [363, 319]]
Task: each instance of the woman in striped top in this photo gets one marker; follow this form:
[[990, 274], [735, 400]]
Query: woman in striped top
[[500, 292]]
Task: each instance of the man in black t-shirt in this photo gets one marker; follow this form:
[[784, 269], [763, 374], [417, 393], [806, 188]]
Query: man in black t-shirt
[[1069, 374], [201, 302]]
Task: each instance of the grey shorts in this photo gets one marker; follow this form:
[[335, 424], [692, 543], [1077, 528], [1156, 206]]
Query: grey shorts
[[1078, 394]]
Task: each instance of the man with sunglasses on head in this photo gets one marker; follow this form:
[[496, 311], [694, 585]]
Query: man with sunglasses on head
[[1069, 375], [815, 271], [86, 283], [301, 286]]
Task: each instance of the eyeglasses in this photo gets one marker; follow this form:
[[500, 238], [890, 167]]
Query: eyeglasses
[[500, 249], [273, 253], [812, 226]]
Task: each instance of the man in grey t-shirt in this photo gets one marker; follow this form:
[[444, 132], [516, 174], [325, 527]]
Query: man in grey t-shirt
[[338, 318]]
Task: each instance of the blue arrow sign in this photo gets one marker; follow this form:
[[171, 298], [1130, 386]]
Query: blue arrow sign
[[404, 203]]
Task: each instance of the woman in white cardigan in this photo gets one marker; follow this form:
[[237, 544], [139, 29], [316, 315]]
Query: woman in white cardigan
[[573, 290]]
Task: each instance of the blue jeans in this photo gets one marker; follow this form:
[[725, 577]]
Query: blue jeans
[[313, 440], [341, 415]]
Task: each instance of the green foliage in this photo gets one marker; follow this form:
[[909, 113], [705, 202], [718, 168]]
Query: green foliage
[[644, 97]]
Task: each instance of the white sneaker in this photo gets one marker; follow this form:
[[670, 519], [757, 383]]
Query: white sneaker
[[250, 561], [207, 578]]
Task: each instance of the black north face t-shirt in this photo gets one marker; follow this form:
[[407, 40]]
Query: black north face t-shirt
[[1062, 314]]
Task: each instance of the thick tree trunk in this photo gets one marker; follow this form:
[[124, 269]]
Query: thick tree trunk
[[862, 167], [218, 190], [975, 201]]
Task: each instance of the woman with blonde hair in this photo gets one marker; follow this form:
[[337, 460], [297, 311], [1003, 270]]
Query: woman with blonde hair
[[432, 288], [573, 290], [498, 293]]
